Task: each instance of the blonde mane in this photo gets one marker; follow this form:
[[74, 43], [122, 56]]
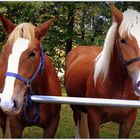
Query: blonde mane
[[131, 20], [24, 30]]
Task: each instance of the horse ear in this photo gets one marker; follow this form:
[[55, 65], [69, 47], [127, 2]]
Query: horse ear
[[7, 24], [117, 14], [44, 27]]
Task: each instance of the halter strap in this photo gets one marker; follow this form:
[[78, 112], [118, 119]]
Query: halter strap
[[11, 74], [123, 61], [128, 62]]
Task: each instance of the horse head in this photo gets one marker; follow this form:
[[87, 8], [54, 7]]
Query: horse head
[[23, 60], [124, 34], [128, 43]]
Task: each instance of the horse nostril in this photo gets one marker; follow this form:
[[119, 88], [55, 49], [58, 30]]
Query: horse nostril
[[15, 104], [138, 84]]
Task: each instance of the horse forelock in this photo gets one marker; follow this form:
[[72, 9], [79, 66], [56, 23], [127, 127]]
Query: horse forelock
[[130, 25], [131, 20], [24, 30]]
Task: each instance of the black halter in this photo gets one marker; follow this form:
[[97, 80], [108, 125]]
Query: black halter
[[123, 61]]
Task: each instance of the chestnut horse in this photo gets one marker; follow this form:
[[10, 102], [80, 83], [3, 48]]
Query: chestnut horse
[[112, 72], [26, 70]]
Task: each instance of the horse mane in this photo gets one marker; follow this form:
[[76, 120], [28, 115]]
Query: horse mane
[[24, 30], [131, 20]]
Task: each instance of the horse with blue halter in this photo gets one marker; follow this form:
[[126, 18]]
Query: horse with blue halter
[[26, 70], [110, 72]]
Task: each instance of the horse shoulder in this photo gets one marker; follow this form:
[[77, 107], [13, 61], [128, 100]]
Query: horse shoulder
[[80, 53], [78, 64]]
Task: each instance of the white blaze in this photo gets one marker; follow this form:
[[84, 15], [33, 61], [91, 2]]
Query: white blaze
[[136, 33], [18, 48]]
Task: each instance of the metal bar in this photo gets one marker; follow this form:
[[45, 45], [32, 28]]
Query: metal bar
[[86, 101]]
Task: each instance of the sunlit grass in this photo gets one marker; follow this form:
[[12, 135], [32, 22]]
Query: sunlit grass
[[67, 130]]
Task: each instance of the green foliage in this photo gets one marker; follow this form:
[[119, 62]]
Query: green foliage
[[91, 22]]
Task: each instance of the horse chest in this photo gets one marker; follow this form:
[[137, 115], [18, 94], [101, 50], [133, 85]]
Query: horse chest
[[114, 114], [104, 92]]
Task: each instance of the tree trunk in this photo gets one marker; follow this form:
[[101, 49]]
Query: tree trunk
[[70, 26], [83, 24]]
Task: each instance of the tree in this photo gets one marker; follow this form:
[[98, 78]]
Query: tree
[[77, 23]]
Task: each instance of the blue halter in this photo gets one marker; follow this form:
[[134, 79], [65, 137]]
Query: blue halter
[[28, 82]]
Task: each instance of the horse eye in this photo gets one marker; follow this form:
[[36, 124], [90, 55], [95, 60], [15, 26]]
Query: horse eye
[[123, 42], [32, 54]]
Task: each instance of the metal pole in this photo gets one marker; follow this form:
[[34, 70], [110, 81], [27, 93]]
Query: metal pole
[[86, 101]]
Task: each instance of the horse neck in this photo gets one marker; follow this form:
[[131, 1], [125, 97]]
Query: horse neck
[[39, 85], [117, 72], [48, 82]]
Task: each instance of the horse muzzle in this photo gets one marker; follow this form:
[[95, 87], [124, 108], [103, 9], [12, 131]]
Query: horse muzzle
[[9, 106]]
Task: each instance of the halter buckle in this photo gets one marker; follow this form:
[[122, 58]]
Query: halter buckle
[[28, 84]]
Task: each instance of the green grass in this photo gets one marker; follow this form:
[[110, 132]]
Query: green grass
[[66, 127]]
